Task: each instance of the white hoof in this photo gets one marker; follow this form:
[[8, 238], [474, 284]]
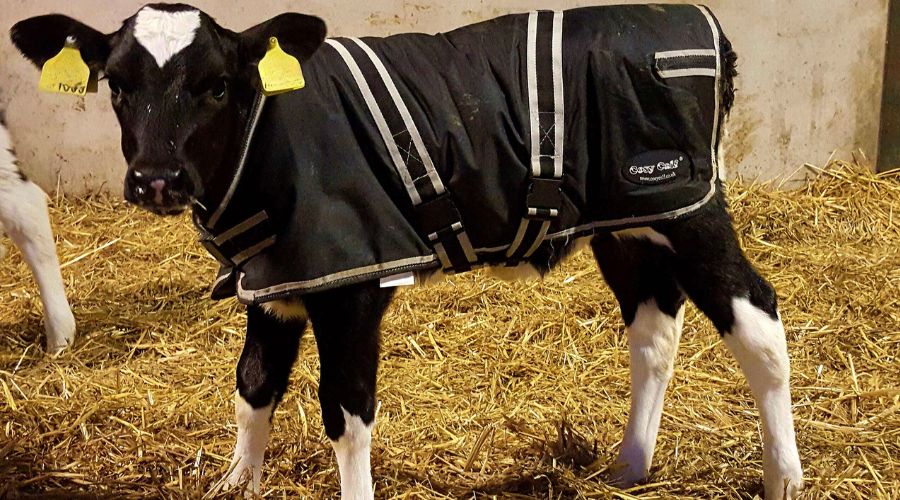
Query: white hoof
[[624, 476], [783, 481], [60, 331], [244, 477]]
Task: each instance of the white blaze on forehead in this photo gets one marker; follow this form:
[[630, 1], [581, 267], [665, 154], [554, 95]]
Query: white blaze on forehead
[[165, 34]]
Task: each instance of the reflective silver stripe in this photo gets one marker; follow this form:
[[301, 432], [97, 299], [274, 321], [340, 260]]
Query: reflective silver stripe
[[252, 251], [675, 73], [523, 227], [464, 242], [466, 246], [380, 122], [539, 239], [252, 295], [686, 53], [222, 278], [715, 131], [559, 103], [491, 249], [241, 228], [534, 115], [442, 255], [713, 158], [407, 118], [254, 119]]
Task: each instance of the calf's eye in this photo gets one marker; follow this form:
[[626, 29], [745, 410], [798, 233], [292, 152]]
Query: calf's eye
[[218, 89], [114, 88]]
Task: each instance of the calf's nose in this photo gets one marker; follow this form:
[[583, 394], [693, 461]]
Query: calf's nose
[[154, 183], [158, 185]]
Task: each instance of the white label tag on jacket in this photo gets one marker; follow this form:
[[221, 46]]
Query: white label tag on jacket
[[405, 279]]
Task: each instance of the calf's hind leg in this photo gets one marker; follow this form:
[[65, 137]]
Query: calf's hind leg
[[653, 310], [715, 274], [346, 324]]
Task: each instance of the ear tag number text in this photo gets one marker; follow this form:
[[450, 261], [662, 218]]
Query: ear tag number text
[[279, 71], [66, 72]]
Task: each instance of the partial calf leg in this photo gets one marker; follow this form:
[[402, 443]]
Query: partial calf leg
[[653, 310], [716, 275], [270, 350], [23, 213], [758, 343], [346, 324]]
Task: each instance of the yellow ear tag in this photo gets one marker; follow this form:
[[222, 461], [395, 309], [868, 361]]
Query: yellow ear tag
[[279, 71], [66, 72]]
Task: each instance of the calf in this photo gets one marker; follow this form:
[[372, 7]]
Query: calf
[[498, 144], [23, 215]]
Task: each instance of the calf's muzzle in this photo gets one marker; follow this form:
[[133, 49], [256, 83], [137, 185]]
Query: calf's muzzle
[[163, 190]]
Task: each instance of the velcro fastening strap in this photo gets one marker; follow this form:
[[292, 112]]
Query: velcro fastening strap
[[441, 224], [544, 198], [436, 214], [241, 242]]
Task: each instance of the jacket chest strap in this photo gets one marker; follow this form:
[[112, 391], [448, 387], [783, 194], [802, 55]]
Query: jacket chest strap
[[236, 245]]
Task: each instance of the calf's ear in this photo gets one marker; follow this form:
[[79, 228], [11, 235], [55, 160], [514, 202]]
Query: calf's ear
[[298, 34], [42, 37]]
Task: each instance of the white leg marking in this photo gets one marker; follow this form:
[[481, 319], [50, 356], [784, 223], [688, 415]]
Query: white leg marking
[[524, 271], [647, 234], [582, 243], [23, 213], [165, 33], [252, 437], [758, 343], [652, 343], [352, 450], [286, 309]]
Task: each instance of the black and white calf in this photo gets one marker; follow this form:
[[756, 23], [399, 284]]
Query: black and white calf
[[498, 144], [23, 215]]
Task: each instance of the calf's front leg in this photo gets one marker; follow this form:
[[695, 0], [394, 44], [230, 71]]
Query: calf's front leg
[[346, 324], [270, 350], [23, 212]]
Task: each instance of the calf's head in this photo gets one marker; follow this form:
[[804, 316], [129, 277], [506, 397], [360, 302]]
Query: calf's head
[[182, 88]]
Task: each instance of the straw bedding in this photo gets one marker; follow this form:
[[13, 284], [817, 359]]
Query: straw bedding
[[484, 390]]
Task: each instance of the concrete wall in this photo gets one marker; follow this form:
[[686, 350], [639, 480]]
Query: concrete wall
[[810, 77]]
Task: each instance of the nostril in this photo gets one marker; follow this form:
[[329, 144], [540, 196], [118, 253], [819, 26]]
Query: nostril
[[158, 185]]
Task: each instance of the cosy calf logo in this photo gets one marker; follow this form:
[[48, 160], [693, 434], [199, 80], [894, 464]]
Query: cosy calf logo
[[657, 167]]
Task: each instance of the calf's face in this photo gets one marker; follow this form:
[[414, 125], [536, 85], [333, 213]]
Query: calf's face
[[181, 87]]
